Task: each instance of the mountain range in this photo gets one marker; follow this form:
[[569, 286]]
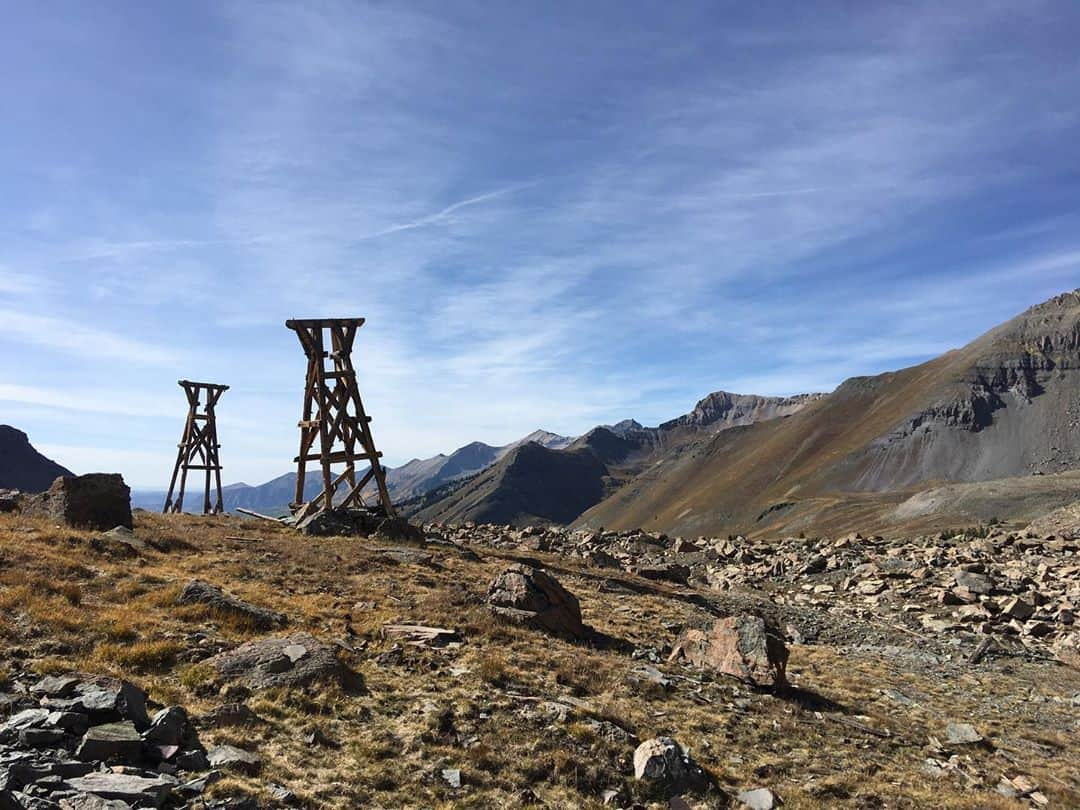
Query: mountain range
[[538, 484], [1004, 407], [993, 426], [410, 480]]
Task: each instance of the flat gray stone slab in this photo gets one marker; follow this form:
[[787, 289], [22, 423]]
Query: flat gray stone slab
[[962, 734], [111, 742], [125, 787], [198, 592], [758, 799], [55, 686], [231, 758]]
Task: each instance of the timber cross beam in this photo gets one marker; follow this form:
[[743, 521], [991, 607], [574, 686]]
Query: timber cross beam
[[334, 417], [198, 448]]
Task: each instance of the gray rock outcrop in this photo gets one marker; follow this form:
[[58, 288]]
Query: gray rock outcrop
[[664, 762], [198, 592], [94, 501], [297, 660]]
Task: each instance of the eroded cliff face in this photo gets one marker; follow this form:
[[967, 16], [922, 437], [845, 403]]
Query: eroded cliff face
[[1009, 404], [1019, 362]]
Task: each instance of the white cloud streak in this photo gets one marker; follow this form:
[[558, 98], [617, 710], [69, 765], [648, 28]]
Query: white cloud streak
[[74, 338]]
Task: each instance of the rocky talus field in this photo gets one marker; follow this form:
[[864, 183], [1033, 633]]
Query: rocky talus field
[[220, 662]]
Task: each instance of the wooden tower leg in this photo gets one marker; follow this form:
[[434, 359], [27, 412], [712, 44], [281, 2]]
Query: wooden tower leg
[[334, 416], [198, 448]]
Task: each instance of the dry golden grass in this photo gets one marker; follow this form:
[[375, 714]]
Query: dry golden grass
[[485, 708]]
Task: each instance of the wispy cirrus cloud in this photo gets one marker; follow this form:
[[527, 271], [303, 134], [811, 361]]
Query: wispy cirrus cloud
[[592, 221], [13, 283], [72, 337]]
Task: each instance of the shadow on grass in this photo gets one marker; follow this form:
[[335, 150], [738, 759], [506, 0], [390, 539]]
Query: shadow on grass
[[604, 641], [810, 701]]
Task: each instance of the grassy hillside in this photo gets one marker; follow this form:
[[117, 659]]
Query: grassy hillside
[[519, 713]]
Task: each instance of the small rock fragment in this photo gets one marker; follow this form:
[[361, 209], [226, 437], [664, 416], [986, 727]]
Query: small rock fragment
[[759, 799], [231, 758], [452, 777], [962, 734], [664, 761]]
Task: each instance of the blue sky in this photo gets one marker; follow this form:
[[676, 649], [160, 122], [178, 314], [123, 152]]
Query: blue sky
[[552, 215]]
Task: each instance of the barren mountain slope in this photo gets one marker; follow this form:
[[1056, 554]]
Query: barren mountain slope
[[531, 484], [423, 475], [21, 466], [1005, 405]]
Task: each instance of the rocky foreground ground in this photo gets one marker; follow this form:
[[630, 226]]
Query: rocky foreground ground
[[222, 662]]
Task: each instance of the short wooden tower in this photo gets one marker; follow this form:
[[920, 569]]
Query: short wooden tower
[[198, 448], [334, 417]]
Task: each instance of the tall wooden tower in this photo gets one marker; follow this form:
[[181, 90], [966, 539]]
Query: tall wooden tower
[[199, 445], [334, 416]]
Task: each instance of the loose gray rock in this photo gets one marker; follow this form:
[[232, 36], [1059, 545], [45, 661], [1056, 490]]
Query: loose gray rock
[[662, 760], [87, 801], [530, 596], [95, 501], [759, 799], [9, 500], [196, 787], [27, 718], [452, 777], [975, 582], [141, 790], [364, 522], [198, 592], [120, 540], [112, 742], [280, 793], [962, 734], [40, 737], [231, 758], [170, 727], [55, 686], [105, 700]]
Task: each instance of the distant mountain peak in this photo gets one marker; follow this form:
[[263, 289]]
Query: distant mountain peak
[[538, 482], [547, 439], [625, 427], [725, 409]]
